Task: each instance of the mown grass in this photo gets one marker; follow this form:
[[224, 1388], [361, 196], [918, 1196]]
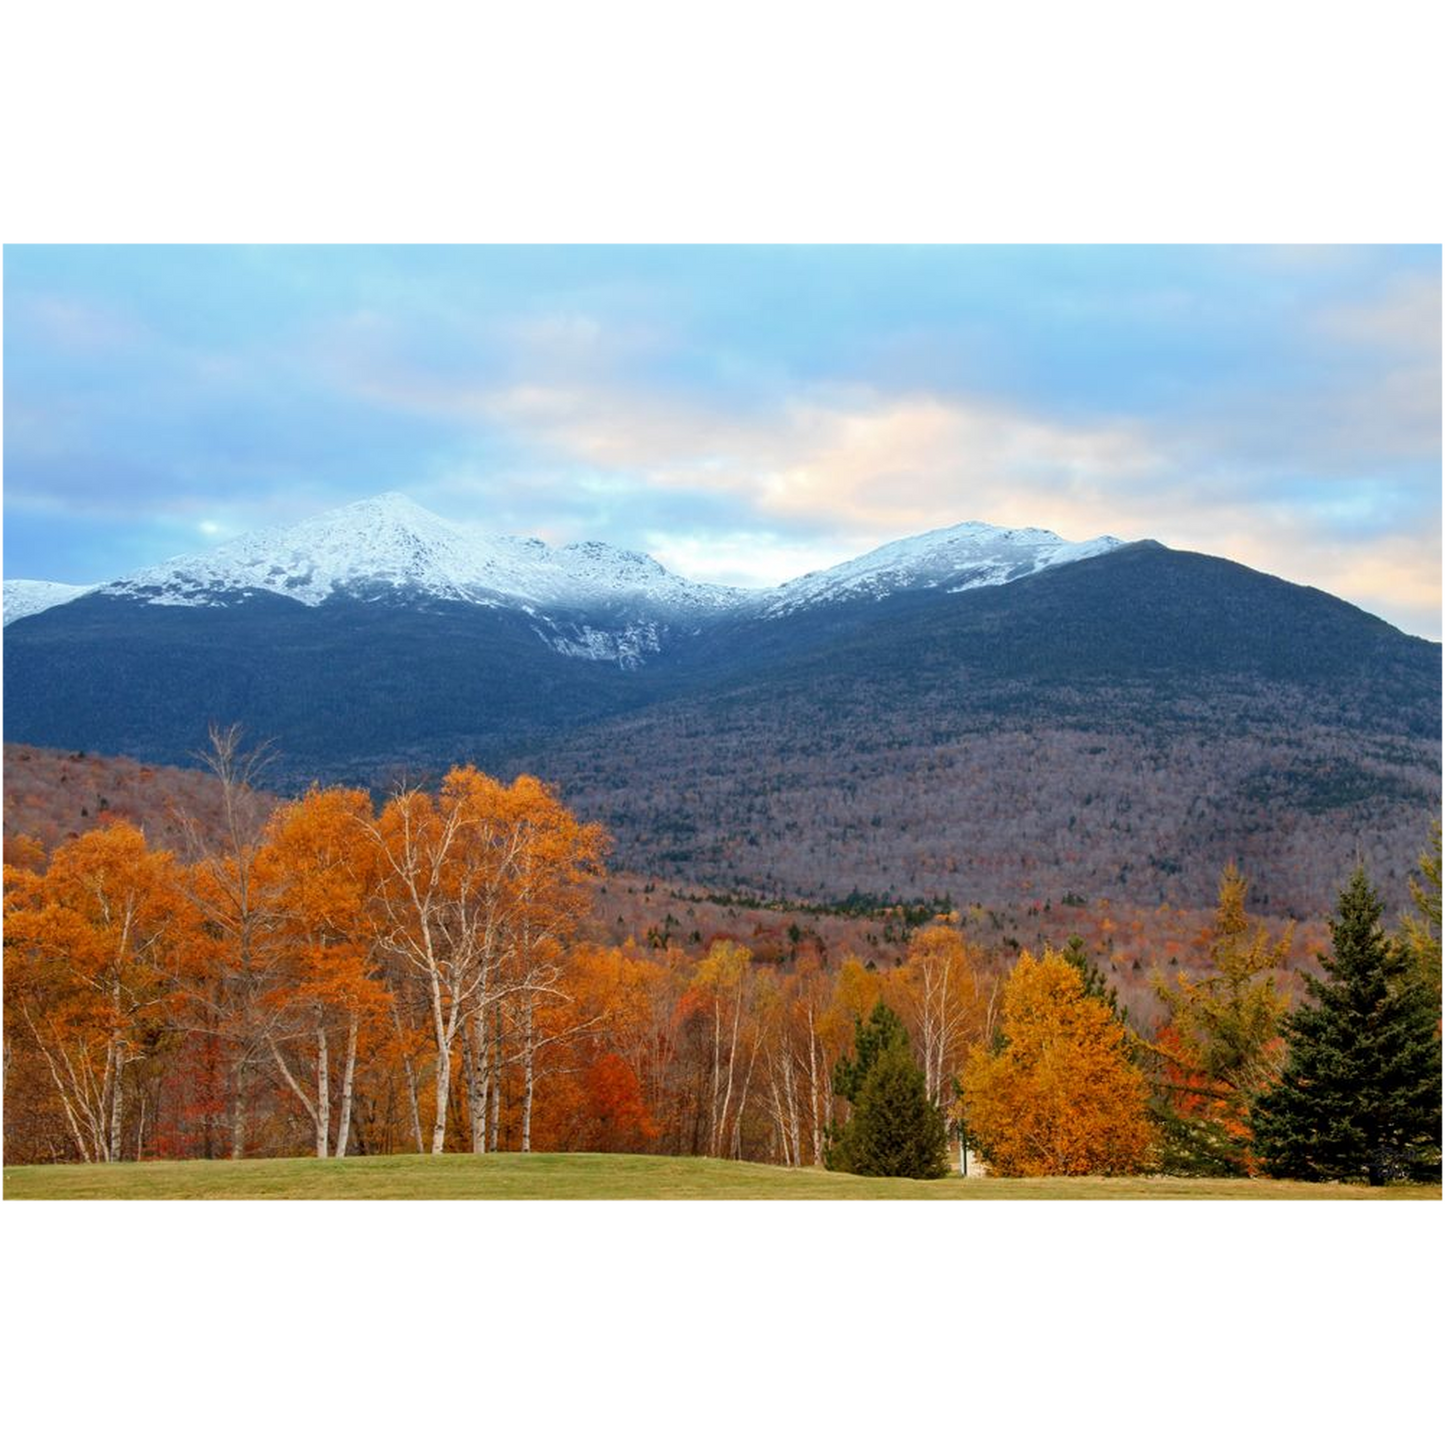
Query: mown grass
[[601, 1176]]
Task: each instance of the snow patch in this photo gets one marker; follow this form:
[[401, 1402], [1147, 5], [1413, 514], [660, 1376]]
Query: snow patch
[[24, 597], [957, 559]]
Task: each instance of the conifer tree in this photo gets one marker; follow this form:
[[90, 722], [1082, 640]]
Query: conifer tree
[[1076, 955], [1220, 1044], [1360, 1095], [894, 1130], [870, 1040]]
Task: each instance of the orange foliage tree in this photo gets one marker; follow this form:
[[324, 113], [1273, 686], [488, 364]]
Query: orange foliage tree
[[91, 946], [479, 889], [941, 998], [319, 868], [1061, 1096]]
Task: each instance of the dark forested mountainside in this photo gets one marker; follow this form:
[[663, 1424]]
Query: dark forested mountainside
[[1117, 726]]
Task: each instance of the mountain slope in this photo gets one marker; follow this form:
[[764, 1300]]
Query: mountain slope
[[1124, 720], [1126, 725]]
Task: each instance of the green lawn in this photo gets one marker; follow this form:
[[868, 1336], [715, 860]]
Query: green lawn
[[600, 1176]]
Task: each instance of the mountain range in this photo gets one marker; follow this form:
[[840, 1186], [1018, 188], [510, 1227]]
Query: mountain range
[[972, 710]]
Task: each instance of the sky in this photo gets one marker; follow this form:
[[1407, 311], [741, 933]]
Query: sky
[[744, 414]]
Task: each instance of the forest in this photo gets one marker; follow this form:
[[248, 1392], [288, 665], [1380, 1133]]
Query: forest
[[341, 974]]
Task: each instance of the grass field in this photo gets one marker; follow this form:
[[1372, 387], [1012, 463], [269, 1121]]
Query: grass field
[[601, 1176]]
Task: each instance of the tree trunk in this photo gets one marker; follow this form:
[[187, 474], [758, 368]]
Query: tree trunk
[[238, 1112], [117, 1097], [815, 1101], [343, 1128], [323, 1096], [529, 1065], [443, 1089], [414, 1104], [478, 1081], [496, 1085]]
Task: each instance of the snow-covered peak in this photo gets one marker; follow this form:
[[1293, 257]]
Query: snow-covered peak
[[953, 559], [585, 598], [23, 597], [388, 545]]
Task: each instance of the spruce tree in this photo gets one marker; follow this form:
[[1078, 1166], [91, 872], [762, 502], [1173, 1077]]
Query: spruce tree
[[895, 1129], [1076, 955], [1360, 1095], [870, 1039]]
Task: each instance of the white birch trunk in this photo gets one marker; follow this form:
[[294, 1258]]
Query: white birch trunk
[[478, 1051], [238, 1112], [322, 1116], [495, 1125], [117, 1097], [443, 1090], [529, 1065], [343, 1128]]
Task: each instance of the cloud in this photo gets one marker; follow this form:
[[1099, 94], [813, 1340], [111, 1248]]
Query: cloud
[[746, 413], [835, 470]]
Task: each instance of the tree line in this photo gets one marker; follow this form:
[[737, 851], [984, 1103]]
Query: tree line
[[338, 975]]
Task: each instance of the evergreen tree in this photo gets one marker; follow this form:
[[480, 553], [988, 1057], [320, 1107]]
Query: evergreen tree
[[870, 1040], [1095, 986], [894, 1129], [1360, 1094]]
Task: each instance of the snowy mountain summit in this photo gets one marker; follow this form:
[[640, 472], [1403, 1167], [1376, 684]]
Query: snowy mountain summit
[[389, 546], [585, 599], [955, 559]]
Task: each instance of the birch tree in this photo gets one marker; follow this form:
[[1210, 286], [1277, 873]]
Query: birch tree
[[89, 945], [320, 866], [943, 1002], [227, 985], [475, 889]]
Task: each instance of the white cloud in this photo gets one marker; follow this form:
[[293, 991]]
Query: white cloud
[[832, 471]]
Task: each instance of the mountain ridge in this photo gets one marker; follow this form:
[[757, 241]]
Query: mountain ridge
[[388, 547], [1129, 720]]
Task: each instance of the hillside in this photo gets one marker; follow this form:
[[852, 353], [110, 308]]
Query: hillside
[[52, 795], [1118, 728]]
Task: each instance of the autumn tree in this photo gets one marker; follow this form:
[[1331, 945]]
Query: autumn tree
[[721, 993], [226, 984], [90, 949], [1220, 1044], [553, 867], [943, 1000], [477, 889], [1061, 1096], [318, 865], [1360, 1094], [618, 1114], [1421, 929]]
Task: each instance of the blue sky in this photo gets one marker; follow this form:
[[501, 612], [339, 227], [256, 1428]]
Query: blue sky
[[743, 413]]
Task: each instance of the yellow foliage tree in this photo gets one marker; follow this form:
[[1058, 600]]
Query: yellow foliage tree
[[1061, 1096]]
